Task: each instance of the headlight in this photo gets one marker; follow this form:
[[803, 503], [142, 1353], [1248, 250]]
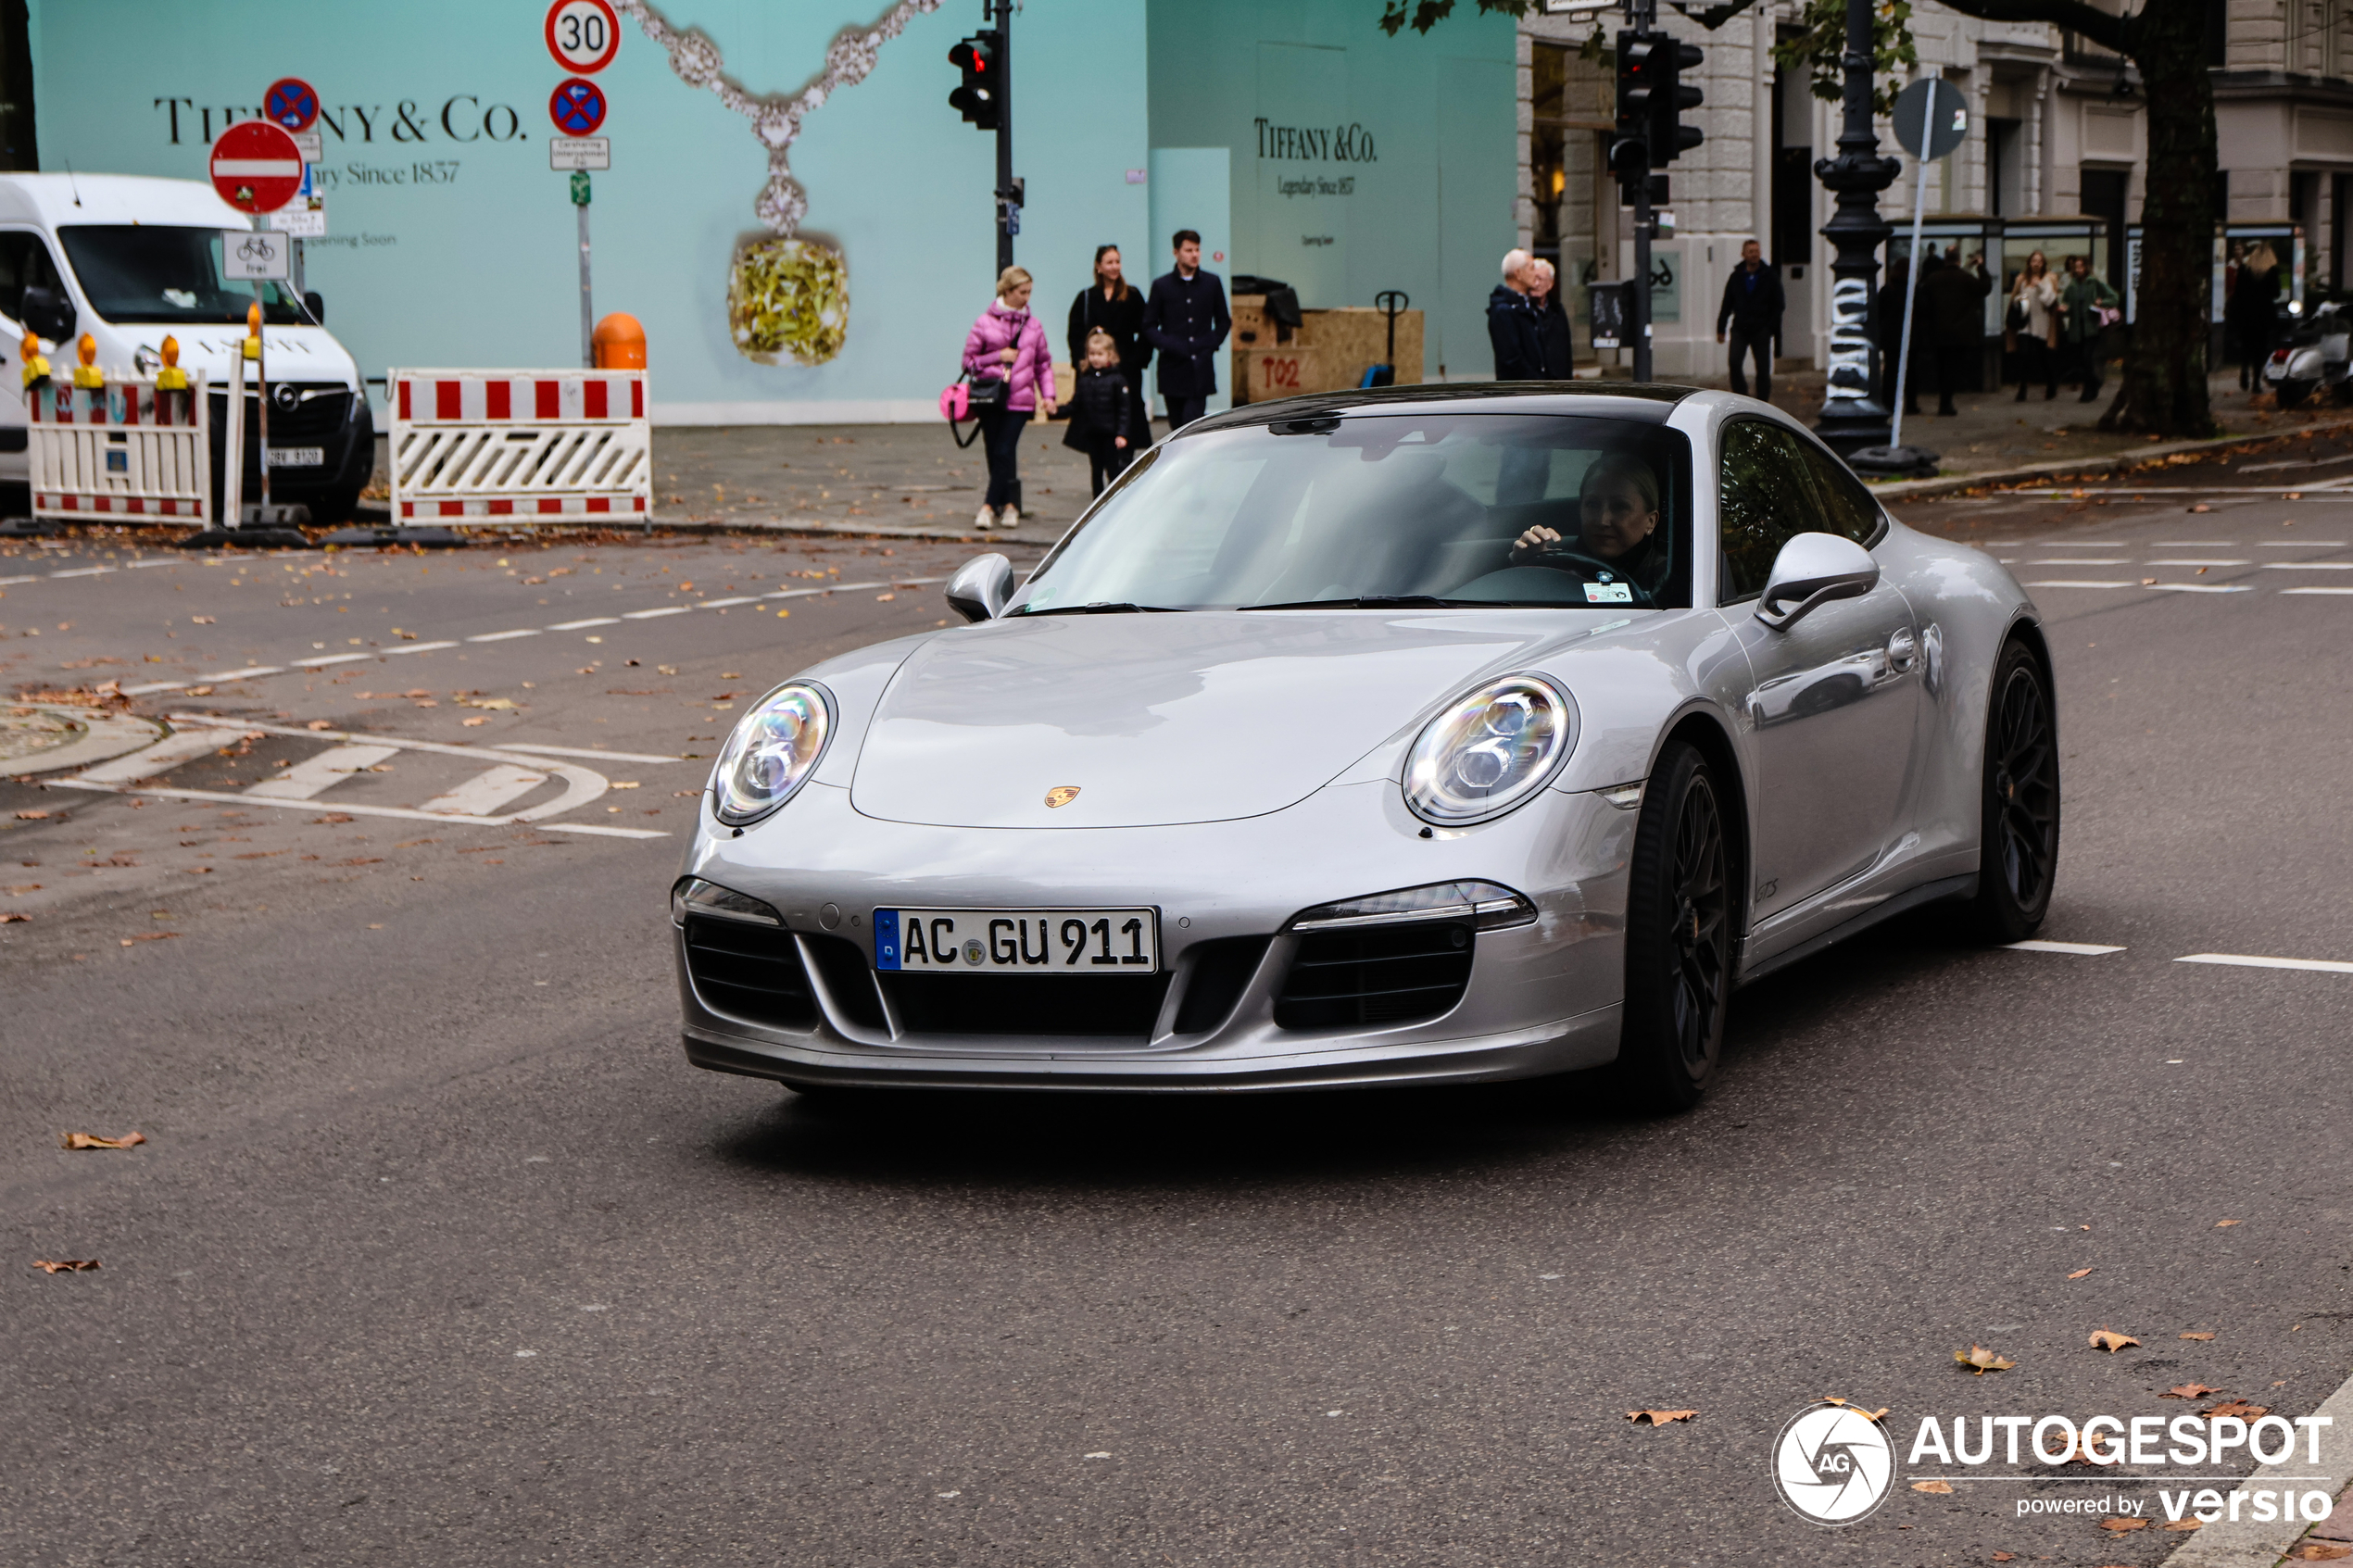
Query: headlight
[[1487, 905], [773, 750], [1490, 751]]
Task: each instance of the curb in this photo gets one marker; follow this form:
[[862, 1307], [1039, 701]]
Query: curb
[[104, 737], [1945, 484], [2248, 1544]]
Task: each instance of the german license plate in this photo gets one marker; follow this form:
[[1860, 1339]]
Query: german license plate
[[298, 456], [1018, 941]]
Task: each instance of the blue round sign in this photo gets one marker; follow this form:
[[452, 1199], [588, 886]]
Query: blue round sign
[[577, 107], [291, 104]]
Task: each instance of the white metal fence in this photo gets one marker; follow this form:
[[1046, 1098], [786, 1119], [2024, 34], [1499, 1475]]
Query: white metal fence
[[120, 450]]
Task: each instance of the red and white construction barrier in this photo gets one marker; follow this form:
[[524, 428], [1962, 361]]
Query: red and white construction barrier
[[520, 446], [123, 450]]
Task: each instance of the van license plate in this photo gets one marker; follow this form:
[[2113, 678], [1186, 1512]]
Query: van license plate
[[298, 456]]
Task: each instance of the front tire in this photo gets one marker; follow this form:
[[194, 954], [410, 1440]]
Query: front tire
[[2292, 392], [2019, 824], [1679, 938]]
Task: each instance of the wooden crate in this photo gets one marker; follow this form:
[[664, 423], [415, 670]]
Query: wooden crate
[[1329, 352]]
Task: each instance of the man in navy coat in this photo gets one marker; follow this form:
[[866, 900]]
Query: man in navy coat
[[1186, 319]]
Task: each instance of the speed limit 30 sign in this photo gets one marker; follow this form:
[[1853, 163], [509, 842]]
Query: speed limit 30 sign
[[584, 35]]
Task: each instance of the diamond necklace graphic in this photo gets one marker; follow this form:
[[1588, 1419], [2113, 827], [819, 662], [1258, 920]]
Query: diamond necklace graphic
[[785, 294]]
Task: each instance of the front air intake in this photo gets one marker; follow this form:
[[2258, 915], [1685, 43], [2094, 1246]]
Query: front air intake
[[1379, 976]]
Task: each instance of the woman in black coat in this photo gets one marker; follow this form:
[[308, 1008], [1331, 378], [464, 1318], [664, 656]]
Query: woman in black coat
[[2252, 312], [1111, 304]]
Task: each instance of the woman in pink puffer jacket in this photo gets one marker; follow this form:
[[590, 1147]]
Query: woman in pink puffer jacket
[[1007, 343]]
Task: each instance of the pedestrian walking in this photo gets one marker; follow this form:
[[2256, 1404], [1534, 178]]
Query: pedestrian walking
[[1953, 297], [1111, 304], [1186, 319], [1553, 334], [1008, 346], [1752, 308], [1101, 423], [1511, 323], [2087, 309], [2031, 324], [2250, 317], [1888, 309]]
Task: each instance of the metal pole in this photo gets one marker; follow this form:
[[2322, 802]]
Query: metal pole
[[587, 310], [1852, 417], [1912, 293], [1642, 322], [262, 398], [1005, 208]]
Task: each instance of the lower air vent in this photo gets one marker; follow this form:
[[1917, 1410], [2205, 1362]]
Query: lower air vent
[[1021, 1004], [849, 979], [1381, 974], [1221, 969], [751, 971]]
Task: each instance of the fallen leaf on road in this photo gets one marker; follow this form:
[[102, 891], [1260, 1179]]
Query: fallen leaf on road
[[1980, 1360], [200, 691], [2006, 1557], [2180, 1524], [486, 702], [2238, 1408], [618, 784], [18, 890], [783, 613], [2079, 1274], [1941, 1488], [885, 599], [33, 816], [331, 817], [469, 723], [320, 725], [2189, 1391], [11, 916], [363, 860], [1658, 1418], [2320, 1551], [2107, 1339], [200, 621], [2149, 581], [92, 1140], [2199, 1334], [66, 1265], [2224, 1225], [1828, 1398], [674, 795], [2120, 1526], [427, 702], [150, 936], [2201, 507]]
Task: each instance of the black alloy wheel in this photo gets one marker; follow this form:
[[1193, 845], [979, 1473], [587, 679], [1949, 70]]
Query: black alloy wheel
[[2019, 846], [1678, 937]]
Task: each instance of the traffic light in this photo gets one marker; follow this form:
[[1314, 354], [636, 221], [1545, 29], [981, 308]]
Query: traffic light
[[977, 58], [1670, 96], [1637, 62]]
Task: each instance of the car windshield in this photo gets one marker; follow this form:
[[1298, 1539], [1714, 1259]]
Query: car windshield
[[151, 272], [1383, 512]]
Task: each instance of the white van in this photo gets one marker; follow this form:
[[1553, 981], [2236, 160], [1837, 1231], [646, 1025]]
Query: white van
[[130, 260]]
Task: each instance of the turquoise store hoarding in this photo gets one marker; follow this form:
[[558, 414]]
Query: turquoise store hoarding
[[1353, 167]]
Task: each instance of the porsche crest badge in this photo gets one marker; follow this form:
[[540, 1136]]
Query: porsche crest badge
[[1061, 796]]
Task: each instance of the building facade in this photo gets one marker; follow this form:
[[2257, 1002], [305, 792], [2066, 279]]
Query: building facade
[[2057, 159]]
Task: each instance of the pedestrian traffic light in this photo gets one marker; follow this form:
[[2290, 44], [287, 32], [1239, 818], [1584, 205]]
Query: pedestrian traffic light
[[1670, 96], [977, 58]]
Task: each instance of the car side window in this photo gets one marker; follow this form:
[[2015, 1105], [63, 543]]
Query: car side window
[[1848, 507], [1765, 494], [24, 263]]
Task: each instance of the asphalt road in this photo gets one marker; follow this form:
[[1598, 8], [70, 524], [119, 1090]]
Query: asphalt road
[[439, 1251]]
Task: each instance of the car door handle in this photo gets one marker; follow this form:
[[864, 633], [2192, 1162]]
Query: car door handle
[[1903, 650]]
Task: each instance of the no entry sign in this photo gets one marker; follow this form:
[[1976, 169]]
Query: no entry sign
[[255, 166], [292, 103], [584, 35], [577, 107]]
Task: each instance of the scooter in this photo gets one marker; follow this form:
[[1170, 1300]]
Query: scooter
[[2318, 356]]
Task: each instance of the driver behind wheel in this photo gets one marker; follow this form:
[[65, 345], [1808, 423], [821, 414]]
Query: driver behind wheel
[[1617, 517]]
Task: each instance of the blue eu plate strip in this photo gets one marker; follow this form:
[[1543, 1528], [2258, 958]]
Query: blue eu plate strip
[[886, 938]]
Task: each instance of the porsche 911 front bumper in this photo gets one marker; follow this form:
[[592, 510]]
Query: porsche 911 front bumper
[[1242, 1001]]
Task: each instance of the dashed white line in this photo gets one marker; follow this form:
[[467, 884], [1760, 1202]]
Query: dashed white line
[[241, 675], [506, 636], [2299, 543], [664, 609], [418, 647], [725, 604], [2170, 561], [2197, 587], [318, 659], [2317, 590], [2308, 566], [2080, 949], [84, 572], [10, 582], [2250, 961], [588, 754], [592, 620], [2079, 560], [2062, 583]]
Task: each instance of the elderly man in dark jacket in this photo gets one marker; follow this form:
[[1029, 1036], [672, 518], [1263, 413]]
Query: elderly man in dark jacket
[[1186, 319], [1752, 306], [1513, 327], [1953, 299]]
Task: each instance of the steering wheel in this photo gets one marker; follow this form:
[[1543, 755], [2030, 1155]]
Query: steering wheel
[[1591, 569]]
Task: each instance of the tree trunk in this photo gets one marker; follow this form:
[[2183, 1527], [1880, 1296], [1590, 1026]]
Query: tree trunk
[[2164, 384]]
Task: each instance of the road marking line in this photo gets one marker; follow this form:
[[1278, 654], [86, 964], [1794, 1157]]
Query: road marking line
[[485, 792], [2317, 590], [665, 610], [2197, 587], [592, 620], [724, 604], [420, 647], [2249, 960], [580, 785], [180, 746], [2299, 543], [155, 686], [84, 572], [2172, 561], [598, 830], [2308, 566], [2062, 584], [2195, 543], [2080, 560], [318, 659], [10, 582], [159, 560], [400, 813], [313, 775], [241, 675], [2082, 949], [506, 636], [584, 752]]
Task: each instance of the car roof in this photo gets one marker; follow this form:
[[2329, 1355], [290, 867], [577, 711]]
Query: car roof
[[58, 200], [1645, 401]]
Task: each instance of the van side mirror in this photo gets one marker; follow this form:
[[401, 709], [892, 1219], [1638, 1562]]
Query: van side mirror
[[314, 304], [48, 313], [981, 586], [1811, 570]]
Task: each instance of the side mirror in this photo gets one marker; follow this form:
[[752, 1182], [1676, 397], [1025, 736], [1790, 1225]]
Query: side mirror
[[48, 313], [1811, 570], [981, 586], [314, 304]]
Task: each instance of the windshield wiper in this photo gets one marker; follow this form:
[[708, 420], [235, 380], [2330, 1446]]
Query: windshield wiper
[[1104, 607], [1367, 601]]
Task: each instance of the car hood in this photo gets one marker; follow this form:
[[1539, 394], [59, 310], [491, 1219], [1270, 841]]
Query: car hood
[[1156, 720]]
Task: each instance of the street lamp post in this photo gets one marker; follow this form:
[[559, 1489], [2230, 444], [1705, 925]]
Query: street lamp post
[[1852, 416]]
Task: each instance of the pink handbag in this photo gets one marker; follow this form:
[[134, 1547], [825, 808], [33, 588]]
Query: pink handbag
[[955, 403]]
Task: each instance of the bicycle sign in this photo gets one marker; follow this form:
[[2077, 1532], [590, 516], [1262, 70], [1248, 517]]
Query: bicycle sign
[[256, 166], [248, 256], [577, 106], [292, 103]]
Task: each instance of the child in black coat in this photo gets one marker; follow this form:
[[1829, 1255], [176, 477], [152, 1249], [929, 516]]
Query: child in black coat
[[1099, 412]]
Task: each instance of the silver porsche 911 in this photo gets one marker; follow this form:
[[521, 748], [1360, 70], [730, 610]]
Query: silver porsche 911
[[1406, 736]]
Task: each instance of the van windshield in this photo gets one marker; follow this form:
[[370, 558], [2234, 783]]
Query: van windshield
[[150, 272]]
